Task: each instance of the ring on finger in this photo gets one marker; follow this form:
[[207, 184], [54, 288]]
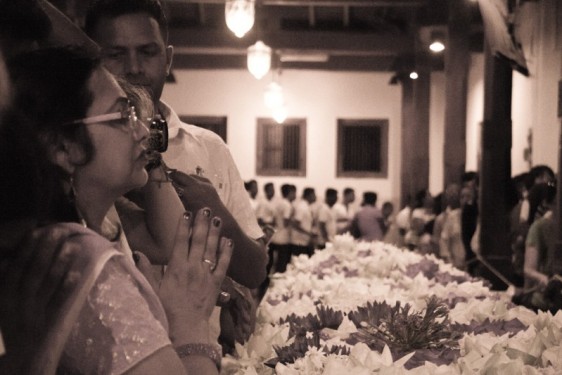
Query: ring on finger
[[212, 265]]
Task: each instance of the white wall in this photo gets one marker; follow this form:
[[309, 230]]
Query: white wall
[[321, 97]]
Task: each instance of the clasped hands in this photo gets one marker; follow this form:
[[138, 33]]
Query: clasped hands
[[191, 284]]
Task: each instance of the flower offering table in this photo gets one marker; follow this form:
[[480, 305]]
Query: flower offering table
[[373, 308]]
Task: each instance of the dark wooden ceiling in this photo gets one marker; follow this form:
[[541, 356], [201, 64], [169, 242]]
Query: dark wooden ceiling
[[352, 35]]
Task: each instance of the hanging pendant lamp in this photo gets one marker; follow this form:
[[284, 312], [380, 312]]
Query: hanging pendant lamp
[[259, 59], [239, 15]]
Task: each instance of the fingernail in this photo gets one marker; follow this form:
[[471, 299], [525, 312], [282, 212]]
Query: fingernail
[[230, 243], [207, 212], [187, 215], [136, 257], [216, 221]]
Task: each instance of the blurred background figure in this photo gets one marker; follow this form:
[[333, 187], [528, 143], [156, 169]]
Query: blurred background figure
[[368, 221]]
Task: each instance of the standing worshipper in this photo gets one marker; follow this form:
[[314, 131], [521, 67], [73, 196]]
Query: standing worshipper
[[280, 243], [369, 219], [326, 218], [303, 236]]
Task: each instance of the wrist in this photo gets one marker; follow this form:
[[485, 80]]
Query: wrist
[[211, 351], [186, 333]]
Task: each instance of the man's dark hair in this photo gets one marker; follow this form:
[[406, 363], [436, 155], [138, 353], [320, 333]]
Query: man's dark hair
[[99, 9], [307, 192], [286, 190], [331, 192], [348, 191], [369, 198]]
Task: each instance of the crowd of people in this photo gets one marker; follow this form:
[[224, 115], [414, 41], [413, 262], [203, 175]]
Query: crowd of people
[[303, 225], [445, 225]]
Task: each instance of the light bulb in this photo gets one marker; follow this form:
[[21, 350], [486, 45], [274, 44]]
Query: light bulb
[[273, 96], [280, 114], [437, 46], [239, 16], [259, 59], [414, 75]]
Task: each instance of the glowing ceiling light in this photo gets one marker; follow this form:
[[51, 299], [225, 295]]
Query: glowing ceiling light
[[273, 96], [280, 114], [414, 75], [437, 46], [259, 59], [239, 16]]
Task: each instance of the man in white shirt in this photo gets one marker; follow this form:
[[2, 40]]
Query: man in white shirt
[[303, 236], [326, 218], [344, 211], [280, 244]]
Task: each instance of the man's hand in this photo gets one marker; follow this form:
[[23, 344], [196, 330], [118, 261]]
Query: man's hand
[[197, 192]]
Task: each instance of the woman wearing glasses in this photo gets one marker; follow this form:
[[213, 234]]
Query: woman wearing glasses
[[91, 150]]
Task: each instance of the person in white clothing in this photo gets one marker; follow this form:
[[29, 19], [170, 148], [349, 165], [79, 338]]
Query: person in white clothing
[[281, 241], [326, 218], [302, 236], [345, 211]]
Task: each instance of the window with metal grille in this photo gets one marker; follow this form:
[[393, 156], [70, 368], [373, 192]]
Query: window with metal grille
[[362, 148], [216, 124], [281, 148]]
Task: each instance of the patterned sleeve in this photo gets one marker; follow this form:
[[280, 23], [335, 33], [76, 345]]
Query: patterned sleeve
[[110, 337]]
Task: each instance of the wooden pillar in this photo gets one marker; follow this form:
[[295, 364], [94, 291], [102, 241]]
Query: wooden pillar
[[457, 60], [495, 171], [415, 133]]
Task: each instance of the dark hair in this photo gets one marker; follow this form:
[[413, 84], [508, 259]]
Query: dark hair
[[331, 192], [538, 195], [469, 176], [50, 90], [348, 191], [268, 185], [369, 197], [99, 9], [537, 171], [420, 198], [286, 190], [307, 192]]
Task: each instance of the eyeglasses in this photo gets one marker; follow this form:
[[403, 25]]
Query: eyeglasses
[[125, 120]]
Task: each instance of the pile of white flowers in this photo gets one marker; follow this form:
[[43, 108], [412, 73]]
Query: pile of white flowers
[[348, 274]]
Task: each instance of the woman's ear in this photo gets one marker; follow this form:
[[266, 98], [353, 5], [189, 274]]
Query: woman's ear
[[67, 155]]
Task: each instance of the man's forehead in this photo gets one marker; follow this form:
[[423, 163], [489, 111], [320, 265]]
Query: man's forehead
[[128, 29]]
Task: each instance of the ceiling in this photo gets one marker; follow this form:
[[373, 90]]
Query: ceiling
[[352, 35], [355, 35]]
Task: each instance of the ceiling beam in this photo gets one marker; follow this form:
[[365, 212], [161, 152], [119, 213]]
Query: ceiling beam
[[325, 41], [324, 3]]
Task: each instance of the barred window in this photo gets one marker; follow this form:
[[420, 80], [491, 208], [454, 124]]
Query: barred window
[[281, 148], [362, 148], [216, 124]]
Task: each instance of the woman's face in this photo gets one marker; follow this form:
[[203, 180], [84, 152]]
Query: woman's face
[[119, 158]]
